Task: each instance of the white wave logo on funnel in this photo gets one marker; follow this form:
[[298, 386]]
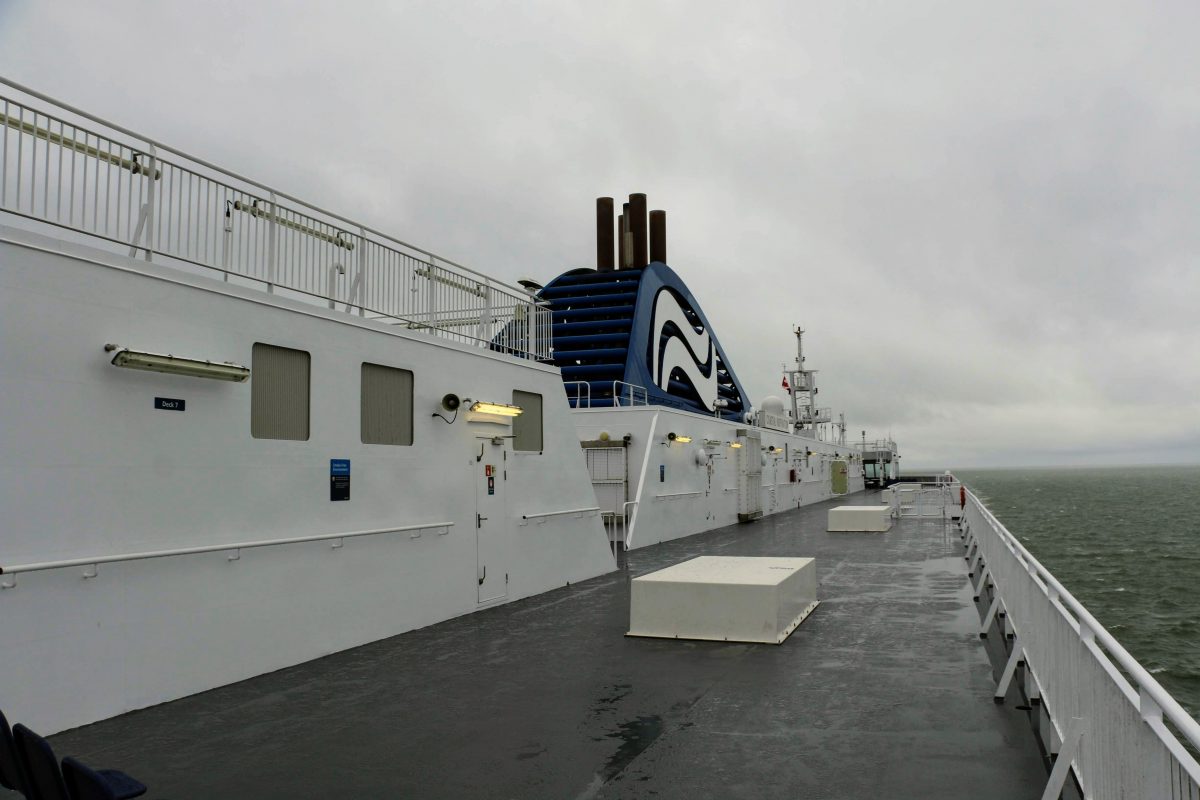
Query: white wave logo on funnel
[[680, 350]]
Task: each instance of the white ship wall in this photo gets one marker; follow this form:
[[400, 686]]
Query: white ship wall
[[677, 490], [91, 468]]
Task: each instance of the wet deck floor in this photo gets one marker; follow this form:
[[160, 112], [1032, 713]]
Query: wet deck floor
[[884, 692]]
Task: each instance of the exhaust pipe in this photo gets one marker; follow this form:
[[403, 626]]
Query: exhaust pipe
[[637, 226], [624, 240], [658, 236], [604, 234]]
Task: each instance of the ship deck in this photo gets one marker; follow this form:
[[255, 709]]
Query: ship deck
[[885, 691]]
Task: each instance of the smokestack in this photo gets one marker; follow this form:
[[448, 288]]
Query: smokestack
[[637, 226], [622, 242], [625, 245], [658, 236], [604, 234]]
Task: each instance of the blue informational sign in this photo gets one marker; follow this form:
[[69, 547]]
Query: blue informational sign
[[339, 479], [662, 473]]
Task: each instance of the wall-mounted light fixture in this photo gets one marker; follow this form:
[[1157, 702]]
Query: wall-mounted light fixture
[[174, 365], [735, 445], [678, 437], [499, 409]]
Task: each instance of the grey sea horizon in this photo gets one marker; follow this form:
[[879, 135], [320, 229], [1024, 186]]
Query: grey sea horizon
[[1124, 541]]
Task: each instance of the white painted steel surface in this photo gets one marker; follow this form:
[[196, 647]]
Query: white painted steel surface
[[1134, 732], [677, 494], [93, 468], [724, 598], [877, 519]]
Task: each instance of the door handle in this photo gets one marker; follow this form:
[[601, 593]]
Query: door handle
[[479, 520], [483, 575]]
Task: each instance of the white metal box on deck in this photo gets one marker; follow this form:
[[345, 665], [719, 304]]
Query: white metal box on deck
[[876, 519], [725, 598]]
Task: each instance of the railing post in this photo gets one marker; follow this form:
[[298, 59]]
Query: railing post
[[362, 271], [145, 223], [272, 232], [1149, 709], [485, 313], [531, 330], [991, 615], [431, 295], [1010, 669], [1062, 763]]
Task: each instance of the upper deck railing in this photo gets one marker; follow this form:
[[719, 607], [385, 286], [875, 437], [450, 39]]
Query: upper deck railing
[[1115, 726], [64, 167]]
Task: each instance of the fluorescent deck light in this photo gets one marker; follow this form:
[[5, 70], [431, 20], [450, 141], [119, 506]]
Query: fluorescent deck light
[[499, 409], [735, 445], [173, 365]]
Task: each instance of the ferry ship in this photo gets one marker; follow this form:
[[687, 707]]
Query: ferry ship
[[294, 508]]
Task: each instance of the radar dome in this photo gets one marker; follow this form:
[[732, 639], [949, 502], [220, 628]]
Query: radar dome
[[772, 405]]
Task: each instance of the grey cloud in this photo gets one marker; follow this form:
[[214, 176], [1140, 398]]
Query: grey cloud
[[984, 215]]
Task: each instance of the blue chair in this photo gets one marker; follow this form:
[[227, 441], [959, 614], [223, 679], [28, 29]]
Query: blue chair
[[11, 776], [85, 783], [45, 780]]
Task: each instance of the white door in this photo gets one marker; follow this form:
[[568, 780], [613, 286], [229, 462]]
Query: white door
[[749, 465], [491, 526]]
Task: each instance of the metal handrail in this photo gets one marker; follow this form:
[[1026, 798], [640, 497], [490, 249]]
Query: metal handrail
[[90, 561], [676, 494], [633, 391], [579, 396], [159, 201], [1146, 685], [544, 514], [209, 165]]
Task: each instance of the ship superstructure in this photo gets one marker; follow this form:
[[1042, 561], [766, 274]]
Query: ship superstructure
[[673, 444], [242, 432], [245, 433]]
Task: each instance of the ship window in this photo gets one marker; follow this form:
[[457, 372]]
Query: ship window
[[279, 380], [527, 428], [387, 405]]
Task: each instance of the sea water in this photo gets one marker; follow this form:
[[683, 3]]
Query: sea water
[[1126, 542]]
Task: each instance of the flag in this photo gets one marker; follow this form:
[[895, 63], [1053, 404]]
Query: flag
[[786, 388]]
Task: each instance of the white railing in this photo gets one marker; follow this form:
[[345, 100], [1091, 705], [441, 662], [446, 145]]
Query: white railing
[[548, 514], [69, 169], [817, 415], [674, 495], [1114, 725], [579, 393], [629, 394], [90, 563], [938, 499]]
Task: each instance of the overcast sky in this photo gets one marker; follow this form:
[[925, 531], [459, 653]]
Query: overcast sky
[[986, 216]]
